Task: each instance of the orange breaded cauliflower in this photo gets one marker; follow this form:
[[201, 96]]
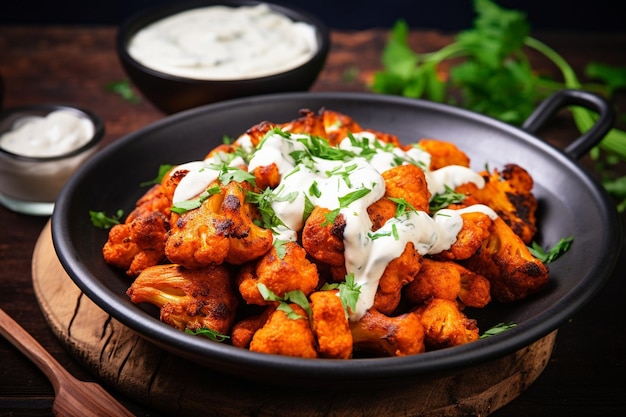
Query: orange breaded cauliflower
[[509, 194], [330, 325], [388, 336], [399, 272], [139, 242], [443, 154], [188, 298], [473, 233], [445, 325], [408, 182], [322, 239], [279, 273], [450, 281], [287, 336], [221, 230], [504, 259]]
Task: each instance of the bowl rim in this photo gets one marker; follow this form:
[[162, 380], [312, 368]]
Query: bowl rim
[[47, 108], [144, 17]]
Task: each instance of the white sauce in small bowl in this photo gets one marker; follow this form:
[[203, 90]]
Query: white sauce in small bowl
[[58, 133], [224, 43]]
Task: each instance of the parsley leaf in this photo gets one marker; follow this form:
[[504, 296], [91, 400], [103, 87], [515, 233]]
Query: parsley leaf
[[443, 200], [123, 88], [553, 253], [498, 328], [101, 220], [208, 333], [297, 297], [163, 169]]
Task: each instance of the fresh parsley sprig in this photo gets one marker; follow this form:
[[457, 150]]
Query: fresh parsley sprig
[[209, 334], [103, 221], [553, 253]]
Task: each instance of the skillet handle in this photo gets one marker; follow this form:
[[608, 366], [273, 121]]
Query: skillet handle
[[564, 98]]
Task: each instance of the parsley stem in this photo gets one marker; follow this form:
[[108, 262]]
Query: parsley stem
[[615, 140]]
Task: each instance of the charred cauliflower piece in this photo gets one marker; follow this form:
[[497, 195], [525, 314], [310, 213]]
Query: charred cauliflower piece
[[221, 230], [473, 233], [445, 325], [443, 154], [330, 325], [322, 240], [388, 336], [284, 335], [504, 259], [139, 242], [278, 273], [188, 298], [399, 272], [509, 194], [450, 281]]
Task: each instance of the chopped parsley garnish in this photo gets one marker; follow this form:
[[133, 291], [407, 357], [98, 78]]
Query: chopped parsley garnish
[[163, 169], [441, 201], [401, 206], [208, 333], [184, 206], [498, 328], [101, 220], [349, 292], [297, 297], [264, 200], [553, 253]]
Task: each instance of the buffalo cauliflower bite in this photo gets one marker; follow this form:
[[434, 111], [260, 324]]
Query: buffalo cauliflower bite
[[188, 298], [284, 335], [280, 274], [330, 325], [398, 273], [450, 281], [474, 231], [244, 329], [445, 325], [139, 242], [408, 182], [505, 260], [509, 194], [221, 230], [443, 154], [382, 335], [322, 239]]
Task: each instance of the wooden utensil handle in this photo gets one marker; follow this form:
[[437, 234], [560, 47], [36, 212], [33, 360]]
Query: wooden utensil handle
[[27, 344]]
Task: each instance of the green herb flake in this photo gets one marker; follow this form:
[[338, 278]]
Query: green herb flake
[[123, 89], [101, 220], [163, 169], [553, 253], [208, 333], [498, 328]]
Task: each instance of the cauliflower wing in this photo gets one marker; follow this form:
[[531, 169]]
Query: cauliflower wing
[[287, 336], [221, 230], [330, 325], [504, 259], [473, 233], [188, 298], [388, 336], [445, 325], [399, 272], [280, 274], [449, 281], [139, 242], [443, 153], [509, 194]]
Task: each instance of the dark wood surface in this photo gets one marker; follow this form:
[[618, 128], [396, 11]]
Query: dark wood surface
[[585, 376]]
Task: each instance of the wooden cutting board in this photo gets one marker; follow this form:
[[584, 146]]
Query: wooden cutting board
[[169, 384]]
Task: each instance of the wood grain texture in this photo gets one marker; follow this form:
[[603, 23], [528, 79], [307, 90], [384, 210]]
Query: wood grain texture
[[175, 386]]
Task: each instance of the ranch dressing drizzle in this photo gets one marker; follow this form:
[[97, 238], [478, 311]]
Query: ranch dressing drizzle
[[367, 253], [58, 133], [224, 43]]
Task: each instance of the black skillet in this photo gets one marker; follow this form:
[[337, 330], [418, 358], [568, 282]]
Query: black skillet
[[571, 202]]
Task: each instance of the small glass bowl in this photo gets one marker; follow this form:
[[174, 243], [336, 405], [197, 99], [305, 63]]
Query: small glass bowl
[[31, 184]]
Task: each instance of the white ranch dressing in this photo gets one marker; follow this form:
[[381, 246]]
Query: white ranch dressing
[[224, 43], [58, 133], [367, 253]]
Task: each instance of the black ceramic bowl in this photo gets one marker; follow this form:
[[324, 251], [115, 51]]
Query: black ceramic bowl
[[172, 93], [571, 203]]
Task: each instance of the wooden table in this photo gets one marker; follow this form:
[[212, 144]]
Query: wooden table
[[585, 376]]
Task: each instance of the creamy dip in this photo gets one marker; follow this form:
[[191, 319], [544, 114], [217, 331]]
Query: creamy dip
[[58, 133], [224, 43], [346, 179]]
